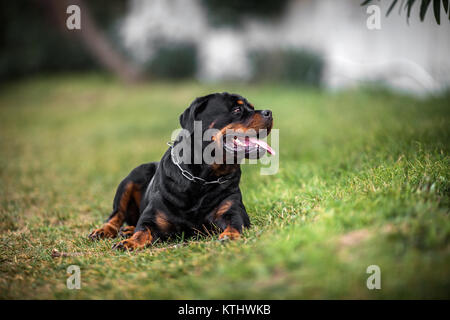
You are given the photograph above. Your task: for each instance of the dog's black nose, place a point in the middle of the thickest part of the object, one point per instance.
(266, 113)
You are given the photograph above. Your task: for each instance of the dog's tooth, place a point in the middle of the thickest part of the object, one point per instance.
(239, 142)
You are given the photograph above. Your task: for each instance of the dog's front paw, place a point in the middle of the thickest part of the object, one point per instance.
(139, 240)
(126, 232)
(229, 233)
(106, 231)
(128, 245)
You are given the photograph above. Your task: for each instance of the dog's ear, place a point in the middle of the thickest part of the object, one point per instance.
(188, 117)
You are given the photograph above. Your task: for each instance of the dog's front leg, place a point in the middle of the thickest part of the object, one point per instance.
(142, 236)
(230, 216)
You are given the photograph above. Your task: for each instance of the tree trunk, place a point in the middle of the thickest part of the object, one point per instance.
(93, 39)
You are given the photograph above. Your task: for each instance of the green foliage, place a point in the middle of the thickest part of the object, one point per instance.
(174, 61)
(294, 66)
(364, 179)
(234, 12)
(423, 8)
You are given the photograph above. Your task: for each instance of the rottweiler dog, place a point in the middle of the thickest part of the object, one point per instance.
(159, 200)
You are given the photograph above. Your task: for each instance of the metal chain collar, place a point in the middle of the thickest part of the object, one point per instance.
(187, 174)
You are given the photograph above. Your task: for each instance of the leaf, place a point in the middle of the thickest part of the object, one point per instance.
(408, 6)
(445, 3)
(424, 8)
(437, 10)
(391, 7)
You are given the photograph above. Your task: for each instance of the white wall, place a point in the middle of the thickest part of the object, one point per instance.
(412, 57)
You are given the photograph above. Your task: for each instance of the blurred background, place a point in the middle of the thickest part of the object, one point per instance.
(315, 43)
(363, 115)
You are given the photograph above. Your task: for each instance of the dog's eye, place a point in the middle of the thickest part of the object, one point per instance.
(236, 110)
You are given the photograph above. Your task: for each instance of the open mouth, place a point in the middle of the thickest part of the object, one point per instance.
(247, 144)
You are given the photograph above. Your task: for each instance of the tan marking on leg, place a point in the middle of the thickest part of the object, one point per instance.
(224, 207)
(162, 222)
(137, 196)
(125, 199)
(117, 221)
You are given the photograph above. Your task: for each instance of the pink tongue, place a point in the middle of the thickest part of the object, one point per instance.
(262, 144)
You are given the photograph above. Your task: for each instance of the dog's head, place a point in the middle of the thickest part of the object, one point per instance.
(239, 127)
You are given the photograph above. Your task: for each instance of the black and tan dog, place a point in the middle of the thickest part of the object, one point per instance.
(167, 198)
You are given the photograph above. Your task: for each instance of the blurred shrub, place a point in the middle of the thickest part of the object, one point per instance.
(296, 66)
(32, 43)
(175, 61)
(233, 12)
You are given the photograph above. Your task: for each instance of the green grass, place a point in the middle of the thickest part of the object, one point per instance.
(364, 179)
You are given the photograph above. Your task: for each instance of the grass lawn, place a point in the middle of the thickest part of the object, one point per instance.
(364, 179)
